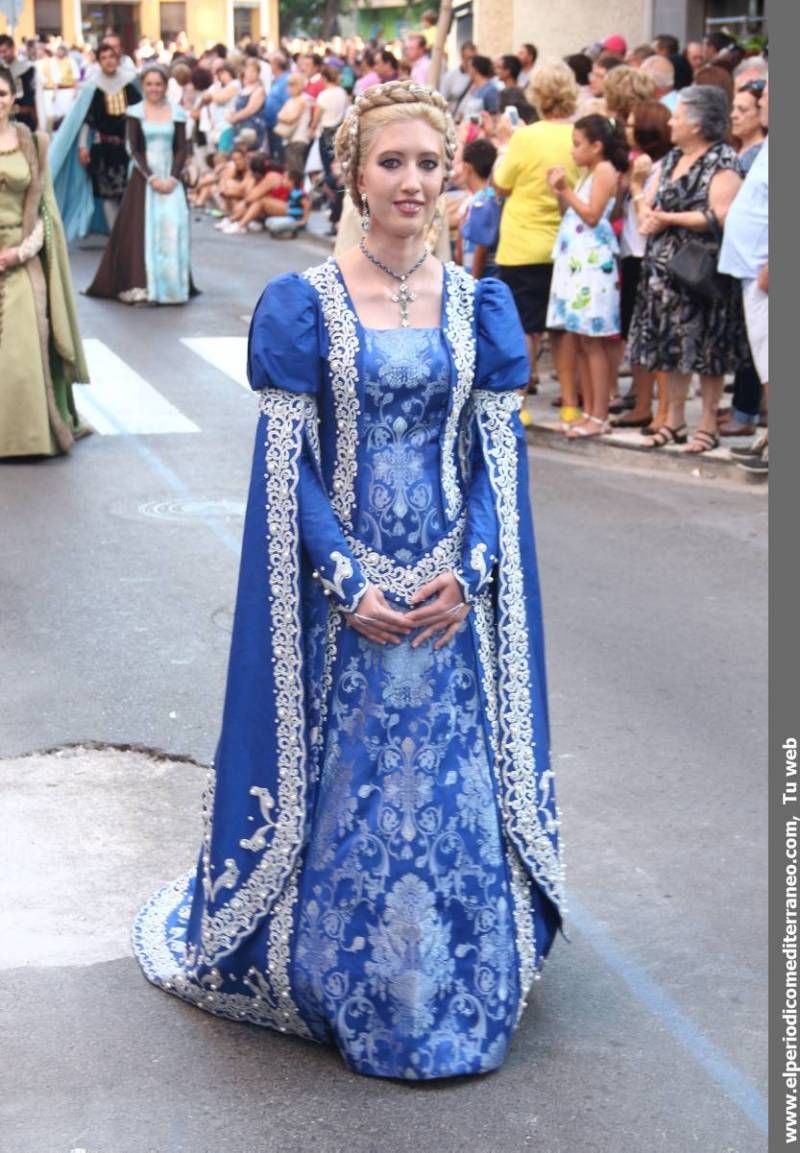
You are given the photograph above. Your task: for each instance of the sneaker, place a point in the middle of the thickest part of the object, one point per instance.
(751, 451)
(756, 465)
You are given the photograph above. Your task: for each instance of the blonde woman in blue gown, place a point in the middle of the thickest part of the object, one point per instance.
(380, 866)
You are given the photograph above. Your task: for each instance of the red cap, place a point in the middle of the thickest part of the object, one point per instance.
(616, 44)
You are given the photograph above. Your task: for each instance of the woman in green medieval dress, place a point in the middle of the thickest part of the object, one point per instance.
(41, 355)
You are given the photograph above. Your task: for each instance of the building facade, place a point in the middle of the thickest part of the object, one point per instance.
(559, 29)
(204, 21)
(495, 25)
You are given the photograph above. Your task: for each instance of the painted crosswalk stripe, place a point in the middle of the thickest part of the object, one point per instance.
(120, 402)
(227, 353)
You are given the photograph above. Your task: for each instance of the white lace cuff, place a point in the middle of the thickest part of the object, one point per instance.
(32, 244)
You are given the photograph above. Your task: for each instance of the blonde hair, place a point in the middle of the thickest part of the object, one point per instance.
(553, 90)
(386, 104)
(623, 87)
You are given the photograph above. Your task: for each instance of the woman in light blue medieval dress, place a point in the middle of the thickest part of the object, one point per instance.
(147, 256)
(380, 866)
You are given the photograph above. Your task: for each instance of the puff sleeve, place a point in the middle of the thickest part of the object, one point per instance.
(501, 357)
(501, 367)
(283, 349)
(284, 363)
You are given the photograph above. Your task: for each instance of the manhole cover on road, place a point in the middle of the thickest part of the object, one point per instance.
(223, 619)
(184, 510)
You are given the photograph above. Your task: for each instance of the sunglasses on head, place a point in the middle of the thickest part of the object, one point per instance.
(755, 86)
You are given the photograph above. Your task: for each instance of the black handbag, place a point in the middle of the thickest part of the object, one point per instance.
(694, 266)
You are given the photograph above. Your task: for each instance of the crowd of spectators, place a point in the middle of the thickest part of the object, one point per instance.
(616, 158)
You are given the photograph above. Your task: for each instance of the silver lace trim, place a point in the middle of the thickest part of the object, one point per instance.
(269, 1002)
(460, 334)
(524, 925)
(343, 350)
(403, 580)
(278, 841)
(530, 823)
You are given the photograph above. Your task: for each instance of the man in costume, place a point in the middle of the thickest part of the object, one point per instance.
(24, 74)
(89, 159)
(57, 77)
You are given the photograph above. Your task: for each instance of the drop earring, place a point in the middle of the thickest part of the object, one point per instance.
(365, 219)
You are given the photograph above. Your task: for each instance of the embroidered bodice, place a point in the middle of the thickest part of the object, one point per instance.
(406, 385)
(158, 137)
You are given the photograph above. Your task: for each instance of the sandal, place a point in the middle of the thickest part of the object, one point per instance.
(702, 441)
(601, 427)
(666, 435)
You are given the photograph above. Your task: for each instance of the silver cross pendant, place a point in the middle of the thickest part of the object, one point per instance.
(403, 297)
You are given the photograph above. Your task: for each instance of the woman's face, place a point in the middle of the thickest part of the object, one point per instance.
(295, 86)
(584, 152)
(597, 78)
(6, 100)
(252, 72)
(745, 115)
(403, 176)
(682, 131)
(154, 87)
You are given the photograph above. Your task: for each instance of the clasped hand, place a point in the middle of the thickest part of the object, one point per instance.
(557, 179)
(441, 611)
(653, 221)
(163, 185)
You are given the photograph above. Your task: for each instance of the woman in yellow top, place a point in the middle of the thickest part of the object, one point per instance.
(531, 215)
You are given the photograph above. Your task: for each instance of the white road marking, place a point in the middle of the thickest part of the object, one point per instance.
(119, 402)
(227, 353)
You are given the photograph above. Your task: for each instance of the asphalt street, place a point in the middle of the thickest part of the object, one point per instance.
(118, 571)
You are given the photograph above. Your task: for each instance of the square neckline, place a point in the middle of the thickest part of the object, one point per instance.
(398, 328)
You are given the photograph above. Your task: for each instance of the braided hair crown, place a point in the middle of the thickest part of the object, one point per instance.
(412, 101)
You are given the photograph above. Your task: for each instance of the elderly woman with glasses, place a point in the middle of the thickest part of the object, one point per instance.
(746, 122)
(678, 329)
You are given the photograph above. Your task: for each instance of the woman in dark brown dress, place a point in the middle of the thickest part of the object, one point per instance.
(147, 257)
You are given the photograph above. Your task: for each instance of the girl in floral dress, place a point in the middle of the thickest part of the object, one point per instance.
(584, 295)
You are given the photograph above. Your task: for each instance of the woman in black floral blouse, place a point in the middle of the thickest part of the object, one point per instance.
(676, 330)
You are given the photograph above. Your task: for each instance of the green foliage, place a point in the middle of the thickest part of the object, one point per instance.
(311, 17)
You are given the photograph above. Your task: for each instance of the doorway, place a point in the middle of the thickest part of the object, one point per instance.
(122, 17)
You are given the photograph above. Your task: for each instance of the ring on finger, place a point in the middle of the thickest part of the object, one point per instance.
(365, 619)
(455, 608)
